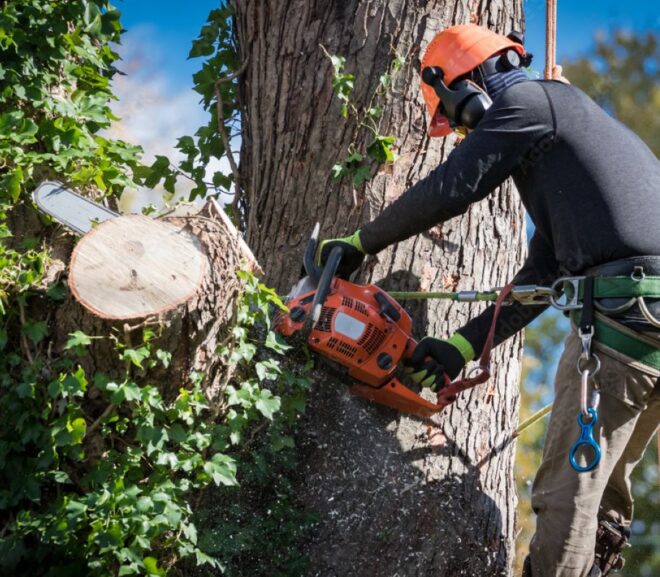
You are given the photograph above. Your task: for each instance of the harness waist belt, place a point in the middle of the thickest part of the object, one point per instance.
(624, 340)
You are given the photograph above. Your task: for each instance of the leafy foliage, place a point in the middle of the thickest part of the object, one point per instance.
(254, 530)
(215, 45)
(129, 512)
(381, 148)
(98, 472)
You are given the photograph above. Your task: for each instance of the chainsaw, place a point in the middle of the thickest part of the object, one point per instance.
(360, 328)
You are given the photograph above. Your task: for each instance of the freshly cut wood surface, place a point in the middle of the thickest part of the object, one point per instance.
(133, 267)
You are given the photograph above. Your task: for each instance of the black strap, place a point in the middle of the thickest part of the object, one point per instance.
(587, 320)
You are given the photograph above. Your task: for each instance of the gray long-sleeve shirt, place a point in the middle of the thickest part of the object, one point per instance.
(589, 184)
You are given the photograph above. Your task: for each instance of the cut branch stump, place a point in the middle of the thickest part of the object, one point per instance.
(176, 276)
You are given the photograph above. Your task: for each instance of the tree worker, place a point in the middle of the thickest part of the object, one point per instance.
(592, 190)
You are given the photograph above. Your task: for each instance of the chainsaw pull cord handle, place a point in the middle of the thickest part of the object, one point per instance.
(448, 394)
(324, 284)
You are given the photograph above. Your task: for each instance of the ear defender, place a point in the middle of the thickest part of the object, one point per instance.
(519, 38)
(464, 103)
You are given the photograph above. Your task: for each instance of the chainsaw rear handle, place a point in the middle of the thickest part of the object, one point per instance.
(329, 272)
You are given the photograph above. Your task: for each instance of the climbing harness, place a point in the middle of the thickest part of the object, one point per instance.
(581, 296)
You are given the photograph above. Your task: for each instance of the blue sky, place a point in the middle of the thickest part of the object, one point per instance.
(173, 25)
(156, 101)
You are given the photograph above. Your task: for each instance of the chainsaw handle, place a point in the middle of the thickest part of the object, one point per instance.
(408, 352)
(313, 271)
(323, 288)
(411, 345)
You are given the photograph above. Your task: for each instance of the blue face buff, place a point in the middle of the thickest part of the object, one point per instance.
(500, 81)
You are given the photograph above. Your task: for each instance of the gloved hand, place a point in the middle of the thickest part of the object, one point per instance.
(352, 257)
(436, 362)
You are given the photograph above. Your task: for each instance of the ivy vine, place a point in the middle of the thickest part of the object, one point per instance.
(133, 509)
(381, 147)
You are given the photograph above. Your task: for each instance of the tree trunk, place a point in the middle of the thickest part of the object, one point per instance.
(393, 498)
(130, 268)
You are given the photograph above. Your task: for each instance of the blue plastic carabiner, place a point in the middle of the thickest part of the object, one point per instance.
(586, 438)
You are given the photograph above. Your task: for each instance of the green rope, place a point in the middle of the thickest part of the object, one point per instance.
(533, 419)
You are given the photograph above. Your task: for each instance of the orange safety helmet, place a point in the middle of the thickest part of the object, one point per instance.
(459, 50)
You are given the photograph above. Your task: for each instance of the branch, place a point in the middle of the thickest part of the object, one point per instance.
(102, 416)
(24, 343)
(223, 131)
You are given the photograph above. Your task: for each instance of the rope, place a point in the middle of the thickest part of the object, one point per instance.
(552, 71)
(529, 421)
(448, 394)
(418, 295)
(550, 37)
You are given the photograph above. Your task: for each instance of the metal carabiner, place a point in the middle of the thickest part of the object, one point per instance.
(585, 337)
(586, 439)
(532, 294)
(584, 385)
(573, 300)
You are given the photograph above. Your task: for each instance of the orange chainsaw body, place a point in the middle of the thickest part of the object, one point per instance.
(365, 331)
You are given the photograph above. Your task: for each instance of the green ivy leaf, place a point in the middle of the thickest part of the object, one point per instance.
(127, 391)
(268, 369)
(74, 384)
(60, 477)
(338, 63)
(77, 339)
(267, 404)
(380, 149)
(338, 170)
(222, 470)
(57, 291)
(279, 442)
(204, 559)
(276, 343)
(361, 175)
(77, 428)
(135, 356)
(10, 184)
(35, 330)
(385, 80)
(164, 357)
(151, 567)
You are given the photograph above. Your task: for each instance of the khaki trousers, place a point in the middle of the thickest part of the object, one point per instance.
(567, 503)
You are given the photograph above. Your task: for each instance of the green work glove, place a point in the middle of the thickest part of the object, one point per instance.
(436, 362)
(352, 257)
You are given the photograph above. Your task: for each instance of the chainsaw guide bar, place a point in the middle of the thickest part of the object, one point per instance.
(77, 213)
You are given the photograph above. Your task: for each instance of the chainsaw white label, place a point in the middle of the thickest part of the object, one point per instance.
(348, 326)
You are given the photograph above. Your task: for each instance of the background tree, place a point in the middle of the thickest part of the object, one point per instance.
(622, 75)
(391, 499)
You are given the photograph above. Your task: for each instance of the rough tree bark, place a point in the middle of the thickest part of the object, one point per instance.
(393, 498)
